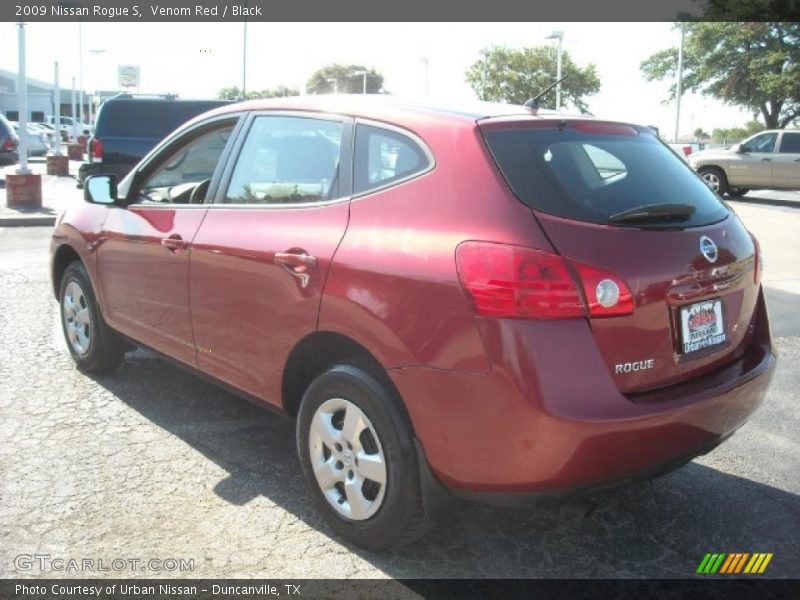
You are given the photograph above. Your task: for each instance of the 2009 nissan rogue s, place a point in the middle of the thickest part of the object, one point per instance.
(481, 302)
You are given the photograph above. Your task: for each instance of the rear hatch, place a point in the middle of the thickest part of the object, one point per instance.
(614, 197)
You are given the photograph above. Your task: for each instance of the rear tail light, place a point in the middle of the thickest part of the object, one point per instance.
(8, 144)
(516, 282)
(96, 148)
(607, 294)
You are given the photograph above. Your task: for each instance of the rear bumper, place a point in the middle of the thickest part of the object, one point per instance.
(558, 496)
(550, 423)
(8, 158)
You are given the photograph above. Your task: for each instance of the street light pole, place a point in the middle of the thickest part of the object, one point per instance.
(558, 35)
(80, 72)
(96, 52)
(679, 83)
(57, 107)
(425, 61)
(363, 74)
(22, 93)
(244, 60)
(485, 74)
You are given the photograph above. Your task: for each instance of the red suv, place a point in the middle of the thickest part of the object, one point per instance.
(485, 303)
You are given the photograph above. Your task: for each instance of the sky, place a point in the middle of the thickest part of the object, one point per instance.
(195, 60)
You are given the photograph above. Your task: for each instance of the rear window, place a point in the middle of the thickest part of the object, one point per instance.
(790, 144)
(147, 118)
(596, 171)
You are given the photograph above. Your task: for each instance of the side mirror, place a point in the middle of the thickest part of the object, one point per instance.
(739, 149)
(100, 189)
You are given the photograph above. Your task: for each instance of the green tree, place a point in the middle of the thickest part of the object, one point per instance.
(515, 75)
(753, 127)
(234, 93)
(751, 65)
(699, 134)
(346, 80)
(750, 10)
(229, 93)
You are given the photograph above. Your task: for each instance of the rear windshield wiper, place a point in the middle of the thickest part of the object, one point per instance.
(654, 212)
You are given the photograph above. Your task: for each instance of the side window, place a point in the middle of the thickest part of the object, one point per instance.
(287, 160)
(183, 176)
(761, 143)
(383, 156)
(790, 143)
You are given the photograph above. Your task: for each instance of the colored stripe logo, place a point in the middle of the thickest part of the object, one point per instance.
(734, 563)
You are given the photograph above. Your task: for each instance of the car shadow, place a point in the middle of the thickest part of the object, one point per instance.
(661, 528)
(765, 198)
(782, 308)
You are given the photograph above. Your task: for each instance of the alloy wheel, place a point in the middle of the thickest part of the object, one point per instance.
(77, 318)
(347, 459)
(712, 179)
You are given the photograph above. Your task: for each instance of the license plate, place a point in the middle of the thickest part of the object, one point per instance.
(702, 325)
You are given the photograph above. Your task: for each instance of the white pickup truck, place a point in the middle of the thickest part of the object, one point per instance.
(71, 128)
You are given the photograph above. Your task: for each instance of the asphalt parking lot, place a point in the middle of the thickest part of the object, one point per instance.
(151, 462)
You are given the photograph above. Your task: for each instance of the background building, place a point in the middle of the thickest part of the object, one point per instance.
(41, 101)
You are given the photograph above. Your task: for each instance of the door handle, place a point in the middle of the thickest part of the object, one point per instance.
(766, 159)
(174, 243)
(296, 262)
(797, 160)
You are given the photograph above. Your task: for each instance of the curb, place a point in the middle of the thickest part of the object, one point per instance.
(29, 221)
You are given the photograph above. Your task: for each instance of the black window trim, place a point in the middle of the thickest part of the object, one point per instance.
(172, 143)
(402, 131)
(344, 183)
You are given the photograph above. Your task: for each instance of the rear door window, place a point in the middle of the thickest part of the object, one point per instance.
(592, 172)
(384, 156)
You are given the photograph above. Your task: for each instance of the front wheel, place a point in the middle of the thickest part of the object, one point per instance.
(358, 458)
(715, 179)
(737, 192)
(94, 347)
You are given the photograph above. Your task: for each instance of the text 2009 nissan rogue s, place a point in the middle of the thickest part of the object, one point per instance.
(503, 305)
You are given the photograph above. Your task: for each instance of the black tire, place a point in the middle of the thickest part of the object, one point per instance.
(401, 516)
(715, 179)
(737, 192)
(104, 350)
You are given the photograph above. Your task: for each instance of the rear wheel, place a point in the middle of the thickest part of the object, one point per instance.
(715, 179)
(94, 347)
(357, 453)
